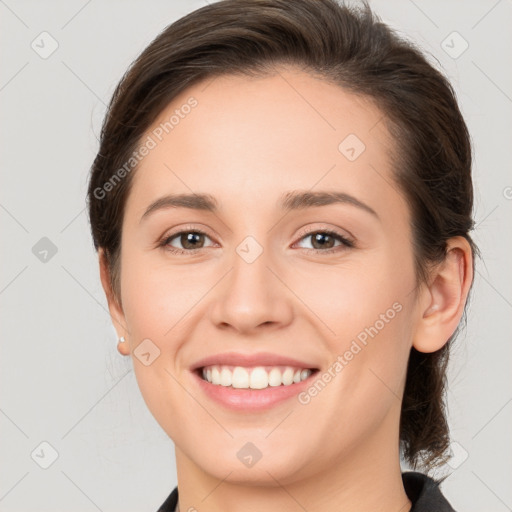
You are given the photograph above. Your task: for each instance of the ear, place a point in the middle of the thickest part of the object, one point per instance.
(116, 311)
(442, 301)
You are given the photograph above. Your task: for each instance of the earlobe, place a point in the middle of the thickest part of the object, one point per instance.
(123, 348)
(116, 312)
(443, 300)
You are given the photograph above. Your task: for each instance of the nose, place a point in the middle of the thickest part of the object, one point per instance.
(252, 296)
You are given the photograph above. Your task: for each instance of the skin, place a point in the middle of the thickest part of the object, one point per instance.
(247, 142)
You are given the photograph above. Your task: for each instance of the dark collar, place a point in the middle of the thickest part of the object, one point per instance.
(422, 490)
(424, 493)
(169, 505)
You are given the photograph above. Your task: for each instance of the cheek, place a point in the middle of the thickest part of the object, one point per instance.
(155, 304)
(368, 312)
(362, 386)
(156, 297)
(356, 294)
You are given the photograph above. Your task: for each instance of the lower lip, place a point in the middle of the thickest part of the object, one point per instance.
(251, 399)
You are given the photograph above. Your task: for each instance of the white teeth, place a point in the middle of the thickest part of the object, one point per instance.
(240, 378)
(274, 377)
(225, 377)
(258, 377)
(288, 376)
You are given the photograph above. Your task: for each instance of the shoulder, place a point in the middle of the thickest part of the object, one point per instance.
(424, 493)
(169, 505)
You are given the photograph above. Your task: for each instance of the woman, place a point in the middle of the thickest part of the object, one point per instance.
(281, 204)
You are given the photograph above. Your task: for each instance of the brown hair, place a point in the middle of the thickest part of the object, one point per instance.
(344, 45)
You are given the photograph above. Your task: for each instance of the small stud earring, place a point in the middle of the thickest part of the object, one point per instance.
(121, 339)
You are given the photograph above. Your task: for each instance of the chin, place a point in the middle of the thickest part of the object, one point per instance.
(260, 463)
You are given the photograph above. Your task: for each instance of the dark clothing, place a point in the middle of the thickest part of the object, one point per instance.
(424, 493)
(422, 490)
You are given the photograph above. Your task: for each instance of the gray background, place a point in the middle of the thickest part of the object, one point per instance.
(61, 379)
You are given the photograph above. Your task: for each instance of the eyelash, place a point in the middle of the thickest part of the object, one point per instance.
(345, 242)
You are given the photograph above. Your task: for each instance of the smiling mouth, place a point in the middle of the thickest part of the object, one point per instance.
(256, 377)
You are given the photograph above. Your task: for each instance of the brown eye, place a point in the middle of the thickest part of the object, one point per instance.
(188, 240)
(322, 241)
(325, 241)
(191, 240)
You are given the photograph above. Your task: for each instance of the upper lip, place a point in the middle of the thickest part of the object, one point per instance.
(258, 359)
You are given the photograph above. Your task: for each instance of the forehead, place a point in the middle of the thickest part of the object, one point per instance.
(247, 138)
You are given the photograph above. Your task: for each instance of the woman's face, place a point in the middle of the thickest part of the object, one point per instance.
(259, 276)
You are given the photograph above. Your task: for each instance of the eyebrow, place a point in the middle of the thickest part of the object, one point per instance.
(293, 200)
